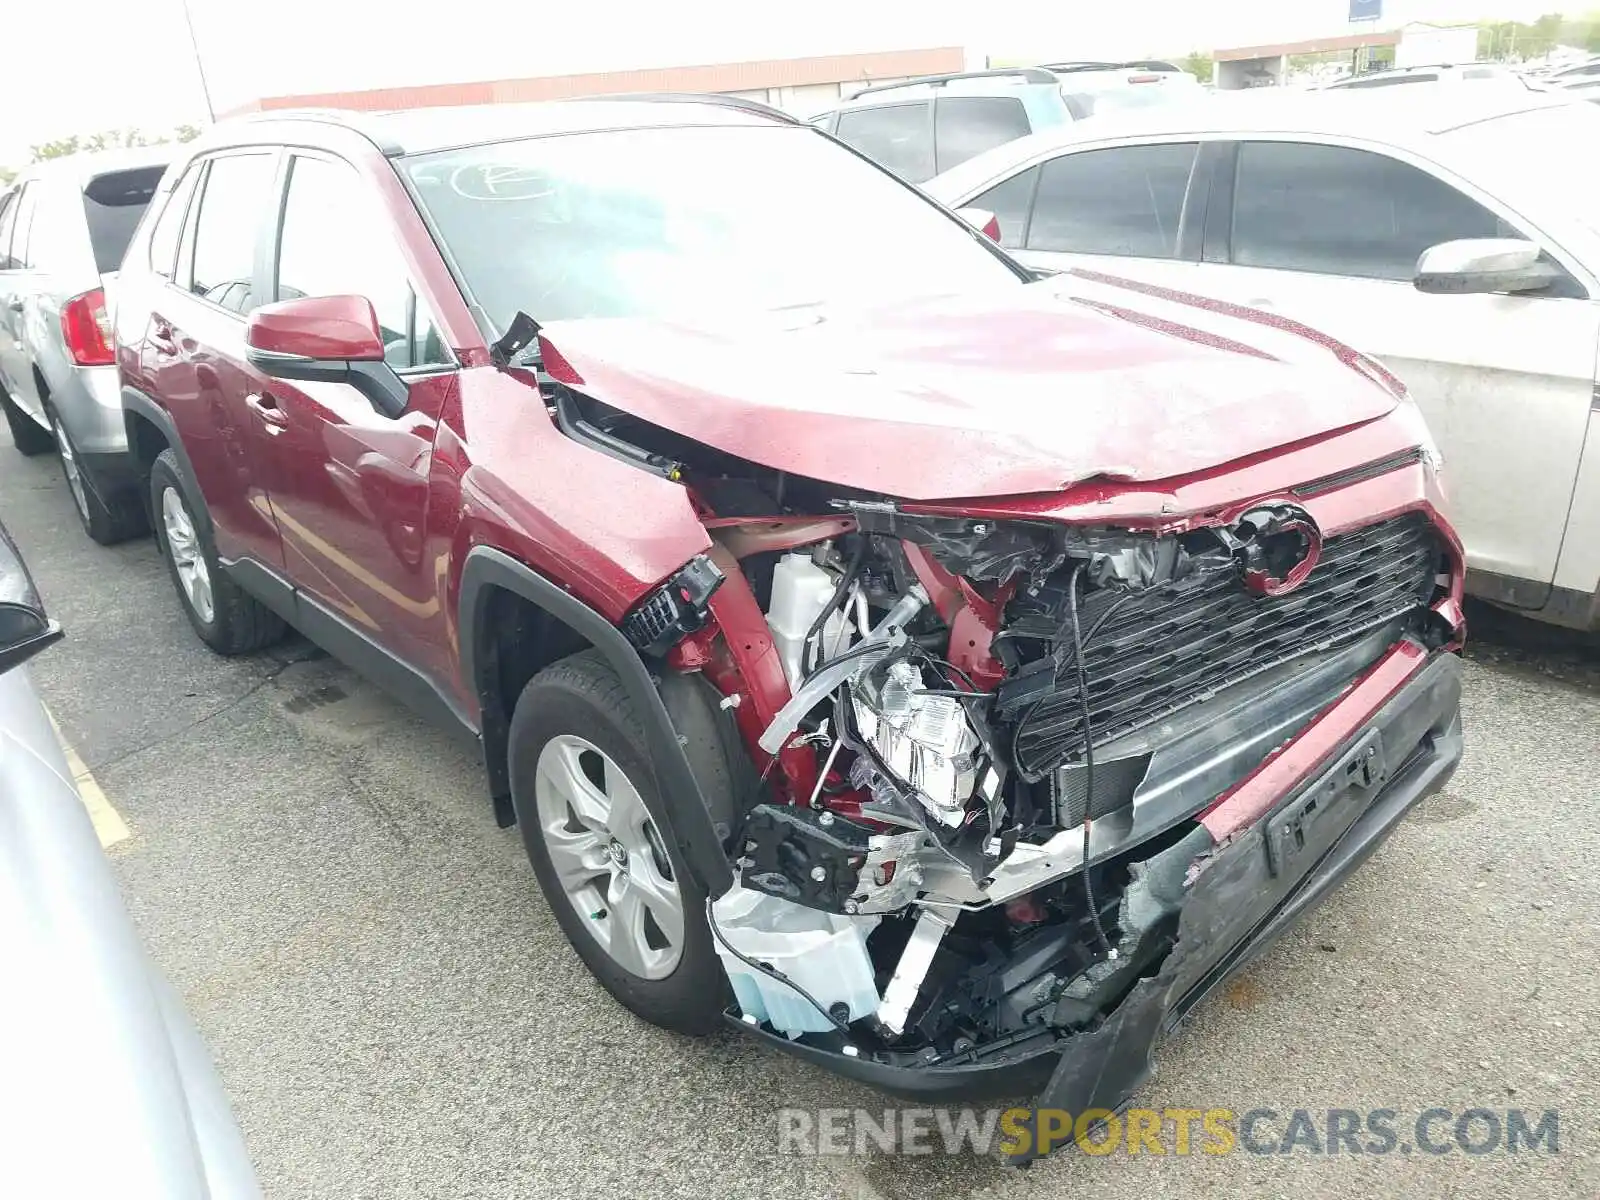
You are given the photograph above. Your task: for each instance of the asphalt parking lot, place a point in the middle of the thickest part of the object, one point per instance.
(395, 1012)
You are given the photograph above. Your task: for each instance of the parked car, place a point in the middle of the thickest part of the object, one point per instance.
(1438, 73)
(929, 124)
(1449, 235)
(63, 228)
(1584, 89)
(107, 1089)
(824, 592)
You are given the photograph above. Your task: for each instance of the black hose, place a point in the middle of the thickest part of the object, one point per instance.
(839, 592)
(1088, 756)
(772, 972)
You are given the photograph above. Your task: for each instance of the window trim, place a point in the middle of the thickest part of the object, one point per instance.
(285, 178)
(189, 233)
(1584, 280)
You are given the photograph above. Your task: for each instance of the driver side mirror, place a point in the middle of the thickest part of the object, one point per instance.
(24, 628)
(1483, 265)
(325, 339)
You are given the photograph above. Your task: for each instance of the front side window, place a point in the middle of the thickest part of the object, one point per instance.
(233, 202)
(1127, 200)
(1336, 210)
(966, 126)
(679, 222)
(896, 136)
(8, 219)
(21, 258)
(335, 242)
(1011, 203)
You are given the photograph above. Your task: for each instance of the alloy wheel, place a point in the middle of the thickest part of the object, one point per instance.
(608, 856)
(187, 557)
(70, 468)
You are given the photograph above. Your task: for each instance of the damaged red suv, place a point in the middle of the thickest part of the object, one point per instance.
(944, 674)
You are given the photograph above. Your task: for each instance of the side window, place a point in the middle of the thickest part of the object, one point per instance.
(232, 205)
(335, 242)
(896, 136)
(1335, 210)
(164, 237)
(8, 218)
(965, 126)
(1010, 202)
(21, 254)
(1127, 200)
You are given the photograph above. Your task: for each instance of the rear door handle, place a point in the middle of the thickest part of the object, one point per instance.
(265, 406)
(161, 335)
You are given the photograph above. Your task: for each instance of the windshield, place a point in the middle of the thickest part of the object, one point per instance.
(686, 220)
(1535, 159)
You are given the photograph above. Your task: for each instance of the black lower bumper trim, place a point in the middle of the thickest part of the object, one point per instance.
(1240, 902)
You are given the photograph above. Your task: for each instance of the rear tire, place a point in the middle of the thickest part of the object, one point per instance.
(227, 618)
(26, 434)
(106, 523)
(586, 799)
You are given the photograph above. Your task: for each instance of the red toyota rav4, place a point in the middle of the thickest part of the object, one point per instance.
(945, 674)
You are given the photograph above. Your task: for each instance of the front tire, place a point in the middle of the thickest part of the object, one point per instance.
(227, 618)
(590, 817)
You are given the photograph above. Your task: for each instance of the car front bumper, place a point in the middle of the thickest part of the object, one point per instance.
(1259, 858)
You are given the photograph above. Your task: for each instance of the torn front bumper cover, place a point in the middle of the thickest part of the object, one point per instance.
(1252, 868)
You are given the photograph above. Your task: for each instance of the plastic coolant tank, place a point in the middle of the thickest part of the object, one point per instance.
(800, 590)
(824, 953)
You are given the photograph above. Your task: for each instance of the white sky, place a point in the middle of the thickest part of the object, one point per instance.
(88, 65)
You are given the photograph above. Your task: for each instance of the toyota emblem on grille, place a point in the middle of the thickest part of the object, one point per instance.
(1277, 546)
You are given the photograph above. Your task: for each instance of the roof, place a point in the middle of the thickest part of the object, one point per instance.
(86, 165)
(1390, 115)
(423, 130)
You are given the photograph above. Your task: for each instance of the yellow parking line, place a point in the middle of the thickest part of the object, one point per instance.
(108, 823)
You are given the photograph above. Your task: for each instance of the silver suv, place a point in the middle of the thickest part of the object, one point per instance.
(63, 227)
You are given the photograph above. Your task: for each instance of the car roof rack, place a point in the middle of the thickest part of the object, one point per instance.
(1141, 64)
(742, 103)
(1026, 74)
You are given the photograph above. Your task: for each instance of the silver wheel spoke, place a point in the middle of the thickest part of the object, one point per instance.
(187, 557)
(599, 840)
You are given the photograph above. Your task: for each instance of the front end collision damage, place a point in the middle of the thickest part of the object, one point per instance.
(984, 779)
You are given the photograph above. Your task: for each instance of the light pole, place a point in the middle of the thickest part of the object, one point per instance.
(199, 65)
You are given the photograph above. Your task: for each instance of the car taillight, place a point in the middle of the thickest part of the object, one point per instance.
(1144, 79)
(87, 329)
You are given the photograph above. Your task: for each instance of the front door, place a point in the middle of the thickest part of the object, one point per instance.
(17, 285)
(349, 485)
(1330, 235)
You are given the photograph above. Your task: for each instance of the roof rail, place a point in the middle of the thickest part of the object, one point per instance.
(717, 98)
(1141, 64)
(1026, 74)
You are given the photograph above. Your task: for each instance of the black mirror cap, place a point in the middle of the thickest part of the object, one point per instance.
(377, 381)
(24, 628)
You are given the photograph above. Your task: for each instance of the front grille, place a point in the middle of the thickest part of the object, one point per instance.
(1185, 641)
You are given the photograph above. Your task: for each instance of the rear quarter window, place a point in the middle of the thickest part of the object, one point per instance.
(113, 204)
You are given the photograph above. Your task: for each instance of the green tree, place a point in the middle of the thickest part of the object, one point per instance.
(1198, 64)
(6, 176)
(185, 133)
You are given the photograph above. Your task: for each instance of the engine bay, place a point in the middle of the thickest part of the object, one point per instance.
(979, 747)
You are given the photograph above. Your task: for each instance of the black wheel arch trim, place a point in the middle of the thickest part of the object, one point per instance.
(137, 403)
(692, 826)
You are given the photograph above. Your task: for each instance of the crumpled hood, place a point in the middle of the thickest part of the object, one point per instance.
(1015, 390)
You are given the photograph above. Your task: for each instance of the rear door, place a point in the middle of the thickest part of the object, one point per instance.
(349, 485)
(1330, 234)
(18, 288)
(194, 348)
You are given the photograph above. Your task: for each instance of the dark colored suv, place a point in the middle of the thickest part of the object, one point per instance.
(945, 675)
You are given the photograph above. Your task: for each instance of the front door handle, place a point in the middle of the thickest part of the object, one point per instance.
(265, 406)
